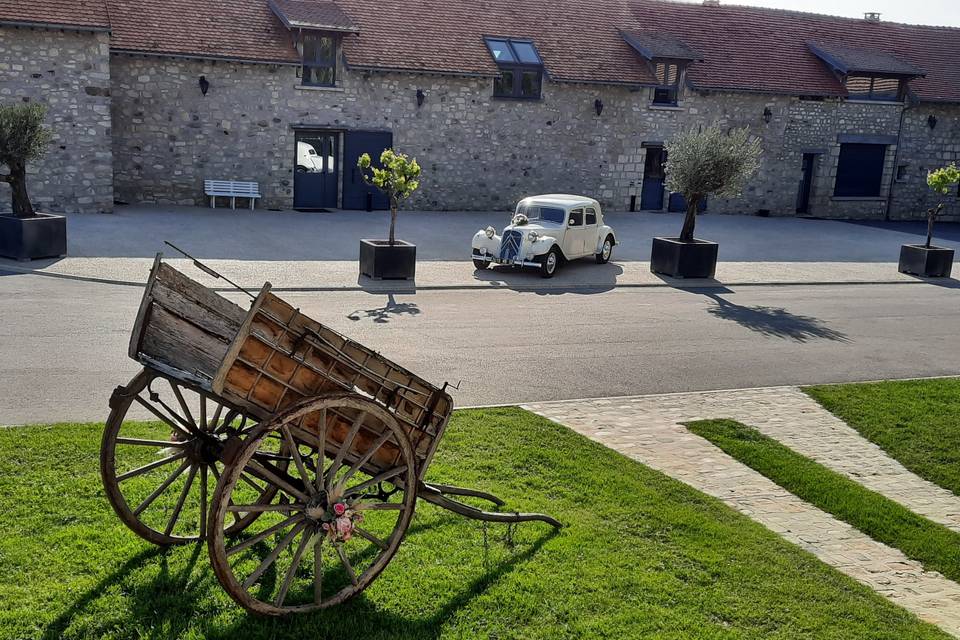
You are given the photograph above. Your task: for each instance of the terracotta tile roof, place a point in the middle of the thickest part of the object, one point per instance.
(91, 14)
(241, 29)
(743, 48)
(311, 14)
(658, 45)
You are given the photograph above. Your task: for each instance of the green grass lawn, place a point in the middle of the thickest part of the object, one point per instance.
(937, 547)
(915, 421)
(642, 556)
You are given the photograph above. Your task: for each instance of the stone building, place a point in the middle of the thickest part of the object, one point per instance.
(497, 99)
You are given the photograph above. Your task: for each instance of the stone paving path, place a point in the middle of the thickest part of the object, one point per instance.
(649, 430)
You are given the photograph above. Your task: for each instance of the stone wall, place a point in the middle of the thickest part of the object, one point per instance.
(69, 71)
(477, 152)
(925, 148)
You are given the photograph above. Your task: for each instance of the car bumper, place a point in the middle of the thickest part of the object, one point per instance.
(490, 258)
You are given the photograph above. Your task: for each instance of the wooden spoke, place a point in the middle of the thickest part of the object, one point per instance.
(364, 460)
(229, 418)
(380, 477)
(261, 508)
(292, 569)
(183, 496)
(273, 555)
(295, 450)
(163, 444)
(163, 487)
(214, 422)
(318, 568)
(271, 477)
(203, 413)
(321, 448)
(173, 425)
(148, 467)
(203, 500)
(263, 535)
(344, 448)
(369, 536)
(183, 403)
(346, 564)
(378, 506)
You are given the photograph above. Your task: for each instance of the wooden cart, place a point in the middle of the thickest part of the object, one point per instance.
(317, 446)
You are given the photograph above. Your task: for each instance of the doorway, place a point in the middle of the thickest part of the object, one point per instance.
(651, 196)
(357, 194)
(315, 170)
(806, 182)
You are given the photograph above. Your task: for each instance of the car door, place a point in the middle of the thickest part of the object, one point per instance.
(573, 235)
(590, 232)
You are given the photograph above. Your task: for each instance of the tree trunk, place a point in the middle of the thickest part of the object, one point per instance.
(17, 179)
(931, 218)
(690, 220)
(393, 220)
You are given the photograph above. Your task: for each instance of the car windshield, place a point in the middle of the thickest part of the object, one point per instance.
(544, 214)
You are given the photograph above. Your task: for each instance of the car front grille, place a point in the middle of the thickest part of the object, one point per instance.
(510, 246)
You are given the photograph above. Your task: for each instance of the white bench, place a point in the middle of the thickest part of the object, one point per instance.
(231, 189)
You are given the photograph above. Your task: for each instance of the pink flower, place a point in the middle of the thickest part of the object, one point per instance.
(344, 528)
(339, 508)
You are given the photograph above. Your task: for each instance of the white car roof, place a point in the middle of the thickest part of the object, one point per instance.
(561, 200)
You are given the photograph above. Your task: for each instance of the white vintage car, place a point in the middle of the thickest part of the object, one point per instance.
(545, 232)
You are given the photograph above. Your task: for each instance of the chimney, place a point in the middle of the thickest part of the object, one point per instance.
(871, 16)
(711, 3)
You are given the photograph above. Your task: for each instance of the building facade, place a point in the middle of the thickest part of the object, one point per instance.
(144, 116)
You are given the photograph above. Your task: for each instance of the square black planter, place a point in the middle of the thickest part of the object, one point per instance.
(384, 261)
(697, 259)
(932, 262)
(42, 236)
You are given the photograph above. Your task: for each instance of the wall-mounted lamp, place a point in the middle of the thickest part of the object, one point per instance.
(421, 96)
(767, 115)
(598, 106)
(204, 85)
(932, 122)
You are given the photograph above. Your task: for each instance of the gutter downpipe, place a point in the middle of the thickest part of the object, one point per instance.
(907, 104)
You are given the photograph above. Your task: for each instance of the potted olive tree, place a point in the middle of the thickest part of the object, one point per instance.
(927, 259)
(398, 177)
(26, 234)
(702, 163)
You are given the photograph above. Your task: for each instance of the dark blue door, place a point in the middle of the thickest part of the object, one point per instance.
(315, 171)
(651, 197)
(356, 193)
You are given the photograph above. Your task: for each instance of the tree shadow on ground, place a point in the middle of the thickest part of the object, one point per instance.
(383, 315)
(776, 322)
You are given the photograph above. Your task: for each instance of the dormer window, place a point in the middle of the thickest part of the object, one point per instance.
(874, 88)
(668, 75)
(520, 66)
(319, 52)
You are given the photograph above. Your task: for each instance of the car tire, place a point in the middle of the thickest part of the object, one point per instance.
(549, 263)
(606, 251)
(480, 265)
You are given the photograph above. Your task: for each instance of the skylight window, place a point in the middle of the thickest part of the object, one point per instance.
(521, 69)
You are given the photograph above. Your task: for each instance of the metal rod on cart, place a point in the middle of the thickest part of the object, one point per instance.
(209, 271)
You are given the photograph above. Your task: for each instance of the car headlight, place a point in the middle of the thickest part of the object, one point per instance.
(533, 236)
(490, 231)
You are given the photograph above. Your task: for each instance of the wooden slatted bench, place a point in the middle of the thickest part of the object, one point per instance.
(232, 189)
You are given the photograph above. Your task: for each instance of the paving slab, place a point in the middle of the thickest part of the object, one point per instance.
(650, 429)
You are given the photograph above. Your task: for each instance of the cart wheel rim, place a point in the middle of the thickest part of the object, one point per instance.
(327, 535)
(160, 479)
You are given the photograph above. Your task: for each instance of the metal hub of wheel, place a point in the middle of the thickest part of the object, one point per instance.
(606, 250)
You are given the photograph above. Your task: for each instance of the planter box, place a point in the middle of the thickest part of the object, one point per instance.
(382, 261)
(935, 262)
(43, 236)
(697, 259)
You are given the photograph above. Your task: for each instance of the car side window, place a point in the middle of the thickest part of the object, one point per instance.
(591, 216)
(576, 218)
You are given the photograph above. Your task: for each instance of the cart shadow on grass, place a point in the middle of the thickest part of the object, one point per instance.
(182, 588)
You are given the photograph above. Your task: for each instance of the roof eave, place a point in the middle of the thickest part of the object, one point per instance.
(55, 25)
(204, 56)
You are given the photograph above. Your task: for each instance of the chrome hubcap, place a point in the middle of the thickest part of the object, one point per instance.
(606, 250)
(551, 262)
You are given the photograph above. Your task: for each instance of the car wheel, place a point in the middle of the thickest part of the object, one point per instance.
(605, 251)
(480, 264)
(549, 263)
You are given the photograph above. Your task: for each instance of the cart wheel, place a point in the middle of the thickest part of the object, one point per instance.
(333, 527)
(159, 478)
